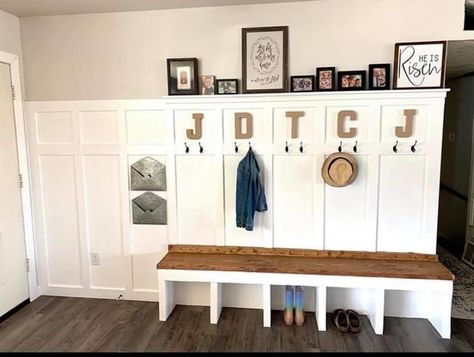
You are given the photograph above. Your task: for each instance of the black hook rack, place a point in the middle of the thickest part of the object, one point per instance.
(301, 147)
(201, 149)
(286, 147)
(187, 148)
(340, 147)
(250, 145)
(236, 147)
(395, 147)
(413, 149)
(355, 147)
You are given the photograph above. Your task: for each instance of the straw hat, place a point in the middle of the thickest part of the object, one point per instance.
(339, 169)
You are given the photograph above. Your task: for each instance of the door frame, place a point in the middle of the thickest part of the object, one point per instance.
(23, 163)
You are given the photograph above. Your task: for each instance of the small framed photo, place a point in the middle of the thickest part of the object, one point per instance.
(207, 85)
(182, 76)
(419, 65)
(227, 86)
(302, 83)
(351, 80)
(325, 78)
(379, 76)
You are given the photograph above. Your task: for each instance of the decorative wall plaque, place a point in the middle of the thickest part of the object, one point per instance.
(149, 208)
(148, 174)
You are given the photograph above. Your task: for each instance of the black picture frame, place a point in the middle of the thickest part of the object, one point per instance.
(411, 59)
(341, 75)
(189, 75)
(223, 82)
(375, 83)
(283, 56)
(320, 70)
(295, 79)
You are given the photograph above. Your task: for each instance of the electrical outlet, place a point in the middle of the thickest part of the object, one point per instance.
(452, 136)
(95, 258)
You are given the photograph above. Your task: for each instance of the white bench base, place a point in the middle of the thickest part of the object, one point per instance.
(439, 311)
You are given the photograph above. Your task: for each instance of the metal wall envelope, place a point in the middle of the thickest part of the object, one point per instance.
(149, 208)
(148, 174)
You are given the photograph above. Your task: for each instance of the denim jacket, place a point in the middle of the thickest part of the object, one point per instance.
(250, 195)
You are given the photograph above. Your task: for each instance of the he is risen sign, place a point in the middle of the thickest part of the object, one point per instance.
(420, 65)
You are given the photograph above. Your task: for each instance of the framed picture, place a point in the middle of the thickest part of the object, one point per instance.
(207, 84)
(265, 59)
(379, 76)
(227, 86)
(302, 83)
(182, 76)
(351, 80)
(325, 78)
(419, 65)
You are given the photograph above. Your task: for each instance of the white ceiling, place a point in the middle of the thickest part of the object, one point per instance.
(24, 8)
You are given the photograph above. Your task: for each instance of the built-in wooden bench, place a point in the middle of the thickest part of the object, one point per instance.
(322, 269)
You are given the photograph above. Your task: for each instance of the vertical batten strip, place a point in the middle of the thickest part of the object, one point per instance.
(215, 302)
(321, 307)
(81, 202)
(172, 151)
(267, 305)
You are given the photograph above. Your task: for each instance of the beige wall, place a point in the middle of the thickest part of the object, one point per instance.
(123, 55)
(10, 33)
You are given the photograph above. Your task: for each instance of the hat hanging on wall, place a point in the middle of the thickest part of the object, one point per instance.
(339, 169)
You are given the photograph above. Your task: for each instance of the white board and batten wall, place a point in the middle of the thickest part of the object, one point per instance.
(80, 154)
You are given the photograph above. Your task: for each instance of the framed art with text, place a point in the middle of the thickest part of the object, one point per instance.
(182, 76)
(419, 65)
(265, 59)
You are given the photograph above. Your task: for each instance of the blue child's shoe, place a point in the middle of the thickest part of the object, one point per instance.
(299, 313)
(288, 314)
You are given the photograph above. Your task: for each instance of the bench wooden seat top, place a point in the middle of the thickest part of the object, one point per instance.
(305, 261)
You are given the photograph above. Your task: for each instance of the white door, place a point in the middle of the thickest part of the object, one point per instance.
(13, 275)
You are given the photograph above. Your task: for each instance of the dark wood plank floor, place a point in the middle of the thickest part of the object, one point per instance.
(75, 324)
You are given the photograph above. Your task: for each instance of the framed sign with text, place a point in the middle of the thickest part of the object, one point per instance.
(419, 65)
(265, 59)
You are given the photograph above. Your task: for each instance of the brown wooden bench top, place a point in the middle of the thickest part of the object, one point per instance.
(301, 261)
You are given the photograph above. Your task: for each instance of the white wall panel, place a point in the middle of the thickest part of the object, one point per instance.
(401, 206)
(144, 271)
(237, 236)
(54, 128)
(348, 222)
(294, 184)
(146, 127)
(99, 127)
(102, 197)
(196, 199)
(83, 195)
(58, 185)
